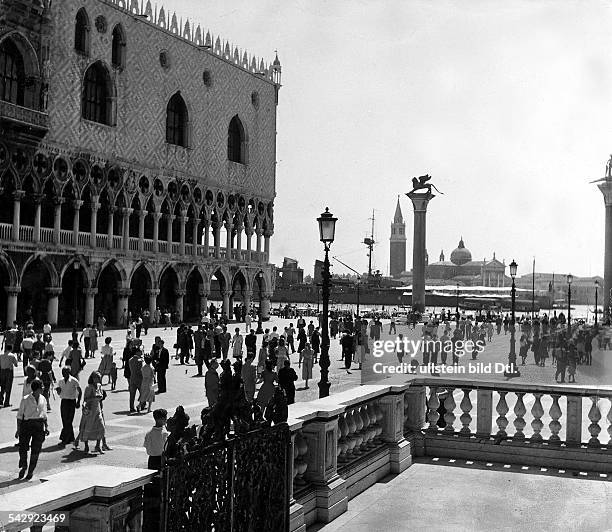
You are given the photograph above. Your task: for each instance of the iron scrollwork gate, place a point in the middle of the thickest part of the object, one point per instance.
(240, 484)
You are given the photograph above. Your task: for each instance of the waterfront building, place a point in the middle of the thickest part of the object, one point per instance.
(137, 163)
(289, 274)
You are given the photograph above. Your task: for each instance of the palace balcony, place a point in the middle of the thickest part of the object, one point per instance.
(24, 120)
(45, 238)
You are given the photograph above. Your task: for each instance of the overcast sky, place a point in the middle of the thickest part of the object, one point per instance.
(507, 105)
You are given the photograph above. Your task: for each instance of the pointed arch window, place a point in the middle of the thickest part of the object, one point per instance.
(97, 95)
(12, 73)
(118, 51)
(236, 145)
(81, 32)
(177, 121)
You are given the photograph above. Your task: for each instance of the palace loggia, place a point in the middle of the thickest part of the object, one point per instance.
(137, 163)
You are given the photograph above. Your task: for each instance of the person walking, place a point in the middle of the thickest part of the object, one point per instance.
(282, 354)
(237, 342)
(32, 428)
(101, 324)
(347, 350)
(93, 340)
(249, 378)
(155, 439)
(198, 349)
(47, 377)
(147, 390)
(8, 361)
(26, 347)
(86, 337)
(135, 378)
(69, 392)
(315, 342)
(162, 365)
(266, 391)
(211, 383)
(106, 363)
(286, 380)
(75, 361)
(306, 358)
(225, 339)
(250, 341)
(93, 423)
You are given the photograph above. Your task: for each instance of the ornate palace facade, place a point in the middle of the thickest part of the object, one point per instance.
(137, 163)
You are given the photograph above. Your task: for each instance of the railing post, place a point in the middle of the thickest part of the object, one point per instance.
(297, 467)
(415, 407)
(393, 432)
(322, 469)
(484, 413)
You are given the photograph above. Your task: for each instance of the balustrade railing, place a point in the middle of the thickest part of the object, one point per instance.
(162, 246)
(84, 239)
(46, 235)
(117, 242)
(176, 248)
(133, 244)
(148, 245)
(188, 249)
(359, 431)
(26, 233)
(102, 241)
(6, 231)
(66, 237)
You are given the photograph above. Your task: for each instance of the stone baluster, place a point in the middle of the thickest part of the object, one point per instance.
(415, 407)
(372, 427)
(351, 441)
(366, 430)
(537, 411)
(357, 434)
(573, 429)
(300, 448)
(449, 416)
(555, 425)
(484, 413)
(379, 422)
(432, 410)
(502, 410)
(466, 407)
(609, 418)
(519, 420)
(342, 433)
(594, 417)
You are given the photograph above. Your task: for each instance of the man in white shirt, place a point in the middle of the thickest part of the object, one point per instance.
(8, 361)
(70, 393)
(31, 428)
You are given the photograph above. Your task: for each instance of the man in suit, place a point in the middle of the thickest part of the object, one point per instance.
(162, 365)
(135, 365)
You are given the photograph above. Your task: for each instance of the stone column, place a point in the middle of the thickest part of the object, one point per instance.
(322, 471)
(57, 220)
(157, 217)
(180, 297)
(203, 301)
(169, 220)
(419, 202)
(196, 236)
(90, 294)
(153, 293)
(142, 214)
(265, 305)
(53, 304)
(76, 221)
(111, 228)
(17, 195)
(249, 234)
(126, 229)
(94, 223)
(183, 224)
(36, 235)
(206, 237)
(217, 230)
(122, 303)
(11, 304)
(606, 190)
(239, 229)
(228, 241)
(393, 432)
(259, 232)
(267, 236)
(226, 302)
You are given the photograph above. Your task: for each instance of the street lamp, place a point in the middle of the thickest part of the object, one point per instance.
(327, 232)
(512, 370)
(596, 309)
(457, 305)
(259, 327)
(570, 278)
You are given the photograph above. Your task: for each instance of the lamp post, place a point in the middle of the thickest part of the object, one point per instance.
(457, 305)
(570, 278)
(327, 231)
(259, 327)
(596, 309)
(512, 370)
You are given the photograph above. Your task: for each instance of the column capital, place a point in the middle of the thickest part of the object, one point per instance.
(196, 221)
(420, 201)
(606, 190)
(267, 295)
(268, 233)
(37, 198)
(248, 229)
(13, 290)
(59, 201)
(91, 292)
(181, 292)
(259, 231)
(54, 291)
(94, 206)
(204, 293)
(142, 213)
(18, 195)
(227, 293)
(77, 204)
(184, 213)
(183, 218)
(170, 217)
(127, 211)
(157, 215)
(228, 225)
(124, 292)
(153, 291)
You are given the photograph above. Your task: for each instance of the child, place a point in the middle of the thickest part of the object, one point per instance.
(113, 376)
(155, 439)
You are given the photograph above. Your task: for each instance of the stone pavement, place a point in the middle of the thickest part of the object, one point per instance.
(125, 432)
(458, 495)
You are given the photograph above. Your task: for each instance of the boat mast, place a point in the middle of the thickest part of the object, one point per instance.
(369, 242)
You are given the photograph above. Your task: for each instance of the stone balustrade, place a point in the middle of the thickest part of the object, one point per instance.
(66, 239)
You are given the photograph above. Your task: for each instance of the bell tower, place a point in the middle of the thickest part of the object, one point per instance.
(397, 245)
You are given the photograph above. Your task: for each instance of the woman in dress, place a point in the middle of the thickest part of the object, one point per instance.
(76, 360)
(282, 354)
(93, 340)
(92, 423)
(266, 391)
(306, 357)
(248, 374)
(147, 392)
(106, 364)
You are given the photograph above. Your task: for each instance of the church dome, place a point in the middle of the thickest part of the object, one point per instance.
(461, 255)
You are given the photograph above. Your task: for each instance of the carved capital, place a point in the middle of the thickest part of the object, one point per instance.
(142, 214)
(181, 292)
(127, 211)
(227, 293)
(54, 291)
(18, 195)
(124, 292)
(153, 291)
(606, 190)
(12, 290)
(77, 204)
(420, 201)
(90, 292)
